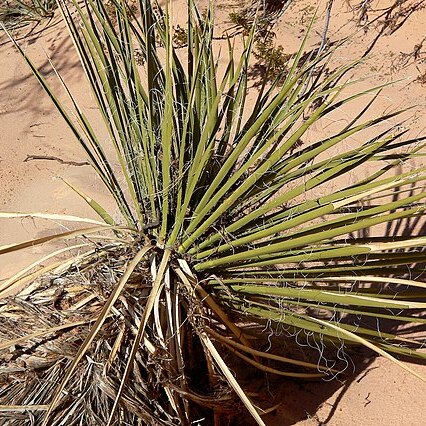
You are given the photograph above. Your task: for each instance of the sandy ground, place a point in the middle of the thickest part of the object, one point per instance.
(379, 393)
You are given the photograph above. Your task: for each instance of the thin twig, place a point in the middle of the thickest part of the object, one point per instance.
(59, 160)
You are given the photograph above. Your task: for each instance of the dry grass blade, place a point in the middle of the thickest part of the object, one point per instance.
(9, 343)
(9, 248)
(231, 379)
(22, 408)
(9, 287)
(143, 322)
(12, 280)
(272, 370)
(50, 216)
(205, 297)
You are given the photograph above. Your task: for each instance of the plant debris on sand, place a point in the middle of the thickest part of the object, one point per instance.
(50, 320)
(236, 230)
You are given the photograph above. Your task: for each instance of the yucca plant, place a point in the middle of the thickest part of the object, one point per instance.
(17, 13)
(229, 236)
